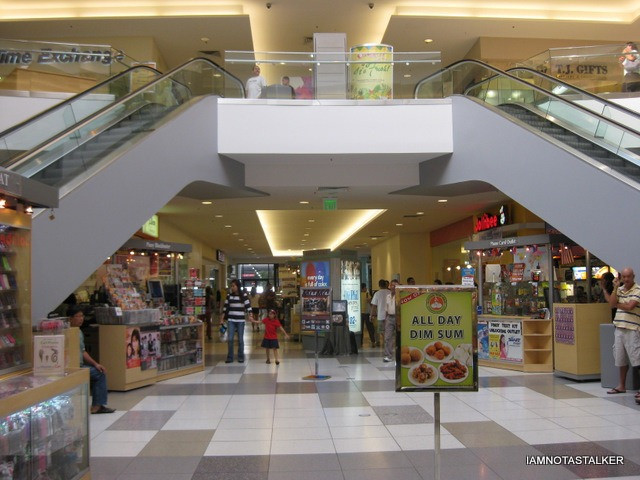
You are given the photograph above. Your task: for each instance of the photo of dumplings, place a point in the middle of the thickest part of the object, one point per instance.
(410, 356)
(438, 351)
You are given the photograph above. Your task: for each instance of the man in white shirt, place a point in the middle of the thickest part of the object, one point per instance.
(255, 84)
(390, 323)
(378, 307)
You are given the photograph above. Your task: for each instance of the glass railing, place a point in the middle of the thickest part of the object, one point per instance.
(369, 72)
(594, 68)
(38, 129)
(495, 87)
(595, 103)
(53, 163)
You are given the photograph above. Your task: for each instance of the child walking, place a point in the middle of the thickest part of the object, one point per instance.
(270, 340)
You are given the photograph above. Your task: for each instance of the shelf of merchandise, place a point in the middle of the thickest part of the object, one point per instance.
(44, 422)
(15, 285)
(537, 345)
(193, 297)
(173, 362)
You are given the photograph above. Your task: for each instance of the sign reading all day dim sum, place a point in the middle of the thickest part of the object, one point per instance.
(437, 343)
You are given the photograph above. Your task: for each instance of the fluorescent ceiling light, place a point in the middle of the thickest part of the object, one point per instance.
(283, 228)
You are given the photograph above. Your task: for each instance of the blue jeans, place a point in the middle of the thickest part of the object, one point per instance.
(233, 328)
(98, 381)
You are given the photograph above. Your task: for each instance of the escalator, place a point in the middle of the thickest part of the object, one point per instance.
(566, 163)
(118, 166)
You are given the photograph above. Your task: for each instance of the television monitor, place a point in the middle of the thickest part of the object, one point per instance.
(155, 289)
(579, 273)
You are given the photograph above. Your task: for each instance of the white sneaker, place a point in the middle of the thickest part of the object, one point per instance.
(386, 359)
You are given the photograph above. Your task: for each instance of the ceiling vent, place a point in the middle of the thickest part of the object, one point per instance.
(332, 190)
(213, 53)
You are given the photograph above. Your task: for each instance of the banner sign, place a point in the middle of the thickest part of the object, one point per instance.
(316, 309)
(437, 346)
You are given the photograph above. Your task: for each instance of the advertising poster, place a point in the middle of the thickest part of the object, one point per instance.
(371, 81)
(483, 340)
(134, 347)
(288, 282)
(315, 274)
(505, 341)
(350, 291)
(437, 348)
(48, 355)
(316, 309)
(468, 276)
(564, 325)
(149, 349)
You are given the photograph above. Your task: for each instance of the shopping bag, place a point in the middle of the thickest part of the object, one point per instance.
(223, 332)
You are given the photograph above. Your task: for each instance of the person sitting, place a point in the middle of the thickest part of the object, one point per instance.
(97, 373)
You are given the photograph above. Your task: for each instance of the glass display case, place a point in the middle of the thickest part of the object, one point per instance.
(44, 431)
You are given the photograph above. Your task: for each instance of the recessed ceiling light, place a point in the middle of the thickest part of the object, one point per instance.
(419, 213)
(207, 202)
(398, 224)
(304, 202)
(306, 234)
(428, 40)
(407, 75)
(218, 216)
(385, 232)
(311, 221)
(235, 233)
(204, 39)
(227, 226)
(443, 200)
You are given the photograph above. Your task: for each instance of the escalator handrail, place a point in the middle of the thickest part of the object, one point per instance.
(502, 73)
(24, 156)
(593, 96)
(74, 98)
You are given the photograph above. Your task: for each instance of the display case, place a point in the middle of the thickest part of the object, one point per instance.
(44, 431)
(515, 343)
(180, 349)
(15, 285)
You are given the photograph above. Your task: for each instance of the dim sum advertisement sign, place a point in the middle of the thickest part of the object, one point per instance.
(437, 348)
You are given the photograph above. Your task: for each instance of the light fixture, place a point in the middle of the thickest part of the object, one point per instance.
(235, 233)
(448, 269)
(3, 203)
(206, 202)
(419, 213)
(28, 210)
(311, 221)
(428, 40)
(132, 252)
(442, 200)
(217, 216)
(407, 75)
(227, 226)
(398, 224)
(304, 202)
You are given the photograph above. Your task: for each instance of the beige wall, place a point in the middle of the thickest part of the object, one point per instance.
(448, 254)
(141, 49)
(408, 255)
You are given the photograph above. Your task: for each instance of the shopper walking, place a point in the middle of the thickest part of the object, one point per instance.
(365, 314)
(390, 324)
(254, 298)
(378, 310)
(626, 346)
(270, 340)
(236, 305)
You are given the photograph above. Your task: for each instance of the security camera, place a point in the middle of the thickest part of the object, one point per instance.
(371, 5)
(268, 5)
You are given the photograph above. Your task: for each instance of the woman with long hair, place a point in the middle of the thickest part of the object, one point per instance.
(236, 305)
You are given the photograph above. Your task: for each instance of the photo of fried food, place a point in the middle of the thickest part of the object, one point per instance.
(453, 372)
(409, 356)
(423, 374)
(438, 351)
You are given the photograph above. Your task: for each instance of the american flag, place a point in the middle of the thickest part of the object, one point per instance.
(566, 256)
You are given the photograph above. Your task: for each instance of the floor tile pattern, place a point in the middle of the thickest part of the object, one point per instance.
(258, 421)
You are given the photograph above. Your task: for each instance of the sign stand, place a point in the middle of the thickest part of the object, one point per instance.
(316, 376)
(436, 436)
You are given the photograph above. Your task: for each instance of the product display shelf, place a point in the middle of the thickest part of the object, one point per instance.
(180, 350)
(537, 347)
(113, 355)
(15, 321)
(44, 426)
(193, 297)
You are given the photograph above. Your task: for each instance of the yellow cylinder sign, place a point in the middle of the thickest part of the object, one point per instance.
(371, 81)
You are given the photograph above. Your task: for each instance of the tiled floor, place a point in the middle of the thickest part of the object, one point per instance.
(255, 421)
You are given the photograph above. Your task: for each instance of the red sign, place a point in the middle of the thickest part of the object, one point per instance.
(485, 222)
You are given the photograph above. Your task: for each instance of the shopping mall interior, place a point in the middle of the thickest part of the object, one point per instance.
(493, 146)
